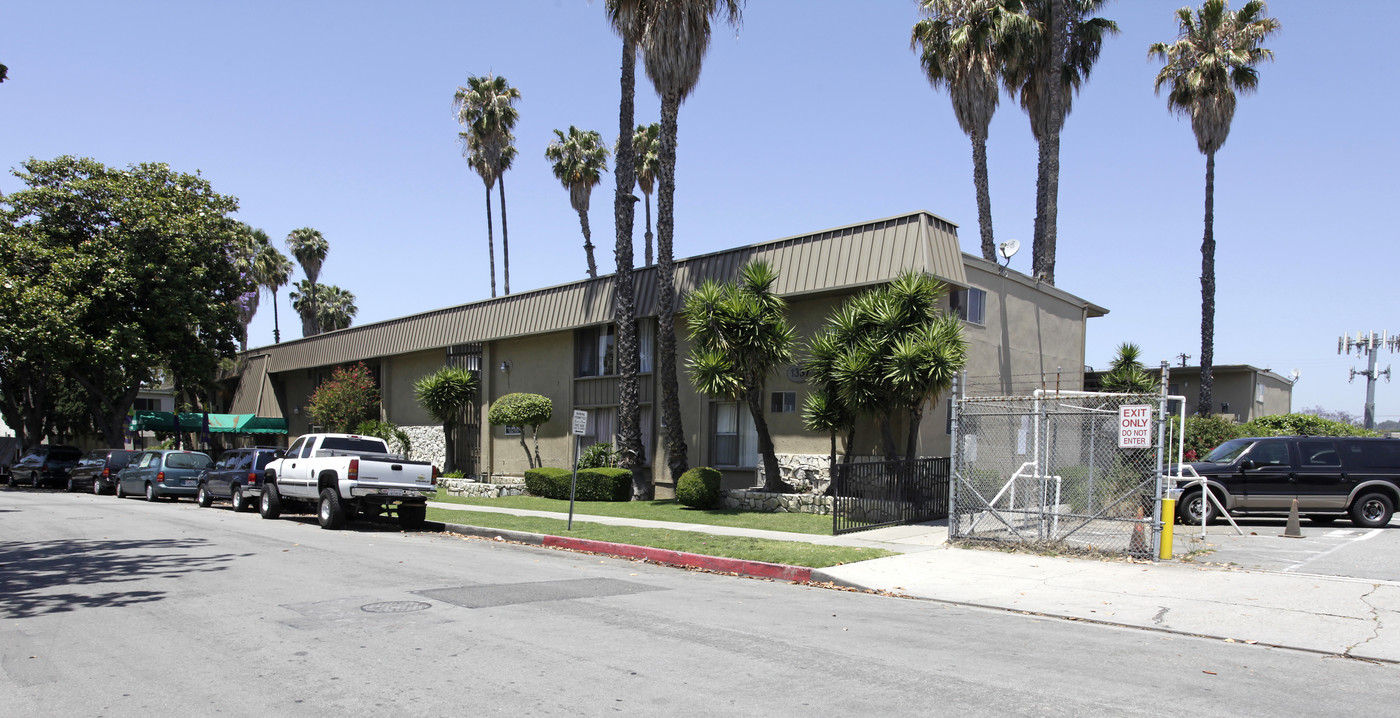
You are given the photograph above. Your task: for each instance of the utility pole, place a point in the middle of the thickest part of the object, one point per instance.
(1369, 344)
(1183, 357)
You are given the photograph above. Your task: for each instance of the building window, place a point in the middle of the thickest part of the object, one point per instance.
(601, 427)
(646, 339)
(594, 351)
(734, 438)
(146, 404)
(970, 305)
(1259, 393)
(784, 402)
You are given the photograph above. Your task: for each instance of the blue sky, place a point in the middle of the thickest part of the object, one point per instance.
(815, 114)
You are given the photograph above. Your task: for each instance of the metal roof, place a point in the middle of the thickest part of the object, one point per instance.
(832, 260)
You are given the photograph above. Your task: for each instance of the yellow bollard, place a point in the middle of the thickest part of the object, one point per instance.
(1168, 522)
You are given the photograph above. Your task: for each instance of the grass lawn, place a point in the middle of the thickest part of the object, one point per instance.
(793, 553)
(661, 510)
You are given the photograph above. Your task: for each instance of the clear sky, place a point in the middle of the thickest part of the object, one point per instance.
(815, 114)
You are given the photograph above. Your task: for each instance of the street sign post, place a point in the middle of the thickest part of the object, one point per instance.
(580, 426)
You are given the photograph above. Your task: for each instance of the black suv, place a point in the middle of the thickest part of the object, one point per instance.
(44, 464)
(1329, 476)
(97, 470)
(237, 477)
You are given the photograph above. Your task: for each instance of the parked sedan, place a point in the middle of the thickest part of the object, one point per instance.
(44, 464)
(158, 474)
(238, 477)
(97, 470)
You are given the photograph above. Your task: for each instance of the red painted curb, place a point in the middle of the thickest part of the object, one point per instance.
(758, 569)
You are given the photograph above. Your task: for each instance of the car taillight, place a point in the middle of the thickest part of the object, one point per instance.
(160, 476)
(435, 476)
(106, 473)
(252, 478)
(354, 469)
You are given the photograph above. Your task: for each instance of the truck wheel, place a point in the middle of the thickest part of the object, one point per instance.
(270, 505)
(151, 493)
(96, 487)
(71, 486)
(329, 512)
(412, 516)
(240, 504)
(203, 498)
(1193, 505)
(1372, 510)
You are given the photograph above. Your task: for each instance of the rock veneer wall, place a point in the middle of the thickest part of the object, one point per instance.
(427, 444)
(764, 502)
(478, 490)
(808, 473)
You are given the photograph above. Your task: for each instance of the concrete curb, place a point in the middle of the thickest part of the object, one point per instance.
(742, 567)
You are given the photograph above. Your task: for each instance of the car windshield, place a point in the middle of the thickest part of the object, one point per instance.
(119, 459)
(61, 453)
(187, 461)
(1229, 451)
(355, 444)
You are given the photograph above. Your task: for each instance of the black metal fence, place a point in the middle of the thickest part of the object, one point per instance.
(889, 493)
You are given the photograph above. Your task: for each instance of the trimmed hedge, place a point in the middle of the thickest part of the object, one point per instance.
(699, 488)
(593, 484)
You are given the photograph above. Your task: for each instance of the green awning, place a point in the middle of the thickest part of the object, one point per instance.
(218, 423)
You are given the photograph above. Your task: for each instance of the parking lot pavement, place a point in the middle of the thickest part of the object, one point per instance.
(1340, 550)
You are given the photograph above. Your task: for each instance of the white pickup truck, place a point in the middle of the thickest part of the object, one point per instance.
(341, 476)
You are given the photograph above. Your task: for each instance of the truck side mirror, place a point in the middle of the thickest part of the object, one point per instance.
(1247, 465)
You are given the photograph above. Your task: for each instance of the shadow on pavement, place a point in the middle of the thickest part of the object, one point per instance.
(31, 571)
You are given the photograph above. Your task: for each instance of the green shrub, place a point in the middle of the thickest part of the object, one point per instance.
(455, 475)
(598, 456)
(699, 488)
(1301, 425)
(602, 484)
(1204, 433)
(396, 438)
(346, 399)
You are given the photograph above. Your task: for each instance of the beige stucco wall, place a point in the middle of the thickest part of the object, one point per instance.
(397, 374)
(298, 385)
(542, 365)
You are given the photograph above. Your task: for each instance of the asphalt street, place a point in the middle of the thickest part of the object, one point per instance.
(123, 608)
(1338, 549)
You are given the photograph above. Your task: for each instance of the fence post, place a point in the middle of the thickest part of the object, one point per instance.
(953, 520)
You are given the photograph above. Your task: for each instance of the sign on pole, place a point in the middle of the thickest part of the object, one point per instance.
(1135, 426)
(580, 427)
(580, 422)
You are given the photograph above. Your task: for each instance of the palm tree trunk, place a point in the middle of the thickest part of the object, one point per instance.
(916, 416)
(984, 195)
(315, 322)
(850, 444)
(588, 244)
(449, 463)
(887, 435)
(276, 328)
(676, 450)
(1208, 292)
(490, 242)
(650, 260)
(505, 242)
(629, 408)
(772, 475)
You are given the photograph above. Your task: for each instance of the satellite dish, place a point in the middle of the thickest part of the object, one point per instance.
(1294, 375)
(1009, 248)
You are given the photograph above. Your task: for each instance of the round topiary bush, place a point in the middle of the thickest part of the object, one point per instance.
(699, 488)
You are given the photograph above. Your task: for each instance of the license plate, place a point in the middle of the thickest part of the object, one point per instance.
(394, 492)
(187, 482)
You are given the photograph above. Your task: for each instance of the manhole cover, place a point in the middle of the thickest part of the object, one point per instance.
(395, 607)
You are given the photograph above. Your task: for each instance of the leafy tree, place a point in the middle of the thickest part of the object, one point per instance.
(250, 241)
(520, 409)
(345, 400)
(646, 143)
(579, 160)
(963, 45)
(674, 37)
(1215, 55)
(272, 270)
(887, 351)
(739, 335)
(1052, 61)
(443, 394)
(309, 247)
(1301, 425)
(1204, 433)
(486, 107)
(106, 277)
(1340, 415)
(1127, 375)
(335, 307)
(390, 433)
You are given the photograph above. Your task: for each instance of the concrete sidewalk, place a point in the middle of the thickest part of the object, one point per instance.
(1325, 614)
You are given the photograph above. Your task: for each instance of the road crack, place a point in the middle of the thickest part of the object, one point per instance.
(1375, 620)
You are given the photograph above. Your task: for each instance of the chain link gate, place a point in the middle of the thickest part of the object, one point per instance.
(1047, 471)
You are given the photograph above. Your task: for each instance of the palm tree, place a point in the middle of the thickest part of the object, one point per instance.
(248, 243)
(628, 18)
(580, 158)
(674, 40)
(645, 143)
(486, 107)
(334, 308)
(310, 249)
(740, 335)
(471, 149)
(1062, 40)
(1215, 56)
(962, 45)
(272, 269)
(444, 394)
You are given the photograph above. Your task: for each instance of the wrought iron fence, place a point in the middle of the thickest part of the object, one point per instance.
(872, 494)
(1047, 470)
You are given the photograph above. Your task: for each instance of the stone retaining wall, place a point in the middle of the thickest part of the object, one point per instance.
(808, 473)
(427, 444)
(760, 501)
(478, 490)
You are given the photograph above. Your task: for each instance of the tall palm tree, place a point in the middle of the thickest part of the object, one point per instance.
(1063, 41)
(579, 158)
(646, 143)
(310, 249)
(334, 307)
(471, 149)
(272, 269)
(962, 44)
(486, 107)
(674, 41)
(503, 163)
(1215, 56)
(628, 18)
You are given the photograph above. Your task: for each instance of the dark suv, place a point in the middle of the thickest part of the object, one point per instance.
(98, 469)
(1330, 477)
(44, 464)
(237, 477)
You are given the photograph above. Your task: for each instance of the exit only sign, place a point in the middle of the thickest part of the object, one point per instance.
(1135, 426)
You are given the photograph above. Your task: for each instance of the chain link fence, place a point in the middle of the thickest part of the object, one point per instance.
(1046, 471)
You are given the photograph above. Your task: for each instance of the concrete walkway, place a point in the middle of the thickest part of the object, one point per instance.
(1325, 614)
